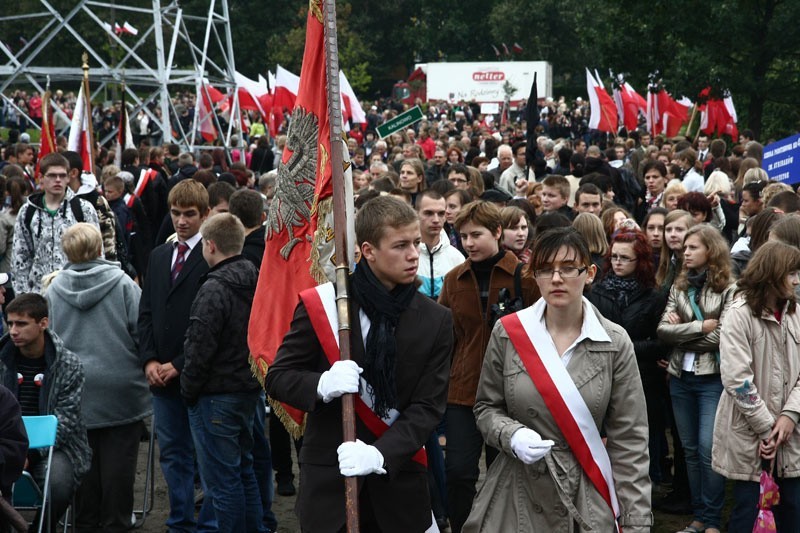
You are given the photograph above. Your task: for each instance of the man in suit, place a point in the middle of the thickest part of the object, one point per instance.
(401, 345)
(175, 273)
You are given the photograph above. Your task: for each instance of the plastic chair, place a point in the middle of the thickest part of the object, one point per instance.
(26, 493)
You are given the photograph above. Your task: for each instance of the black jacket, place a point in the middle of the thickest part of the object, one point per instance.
(640, 319)
(13, 441)
(164, 309)
(254, 246)
(216, 351)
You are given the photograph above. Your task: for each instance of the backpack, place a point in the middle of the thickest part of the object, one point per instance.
(74, 204)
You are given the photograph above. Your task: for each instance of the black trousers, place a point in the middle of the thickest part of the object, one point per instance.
(462, 462)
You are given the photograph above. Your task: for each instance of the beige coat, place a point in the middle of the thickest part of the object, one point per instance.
(688, 336)
(553, 495)
(761, 375)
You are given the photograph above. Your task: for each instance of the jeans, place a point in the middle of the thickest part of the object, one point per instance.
(222, 428)
(62, 486)
(262, 464)
(694, 402)
(745, 506)
(462, 462)
(176, 455)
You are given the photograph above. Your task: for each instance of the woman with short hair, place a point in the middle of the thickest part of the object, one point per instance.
(94, 309)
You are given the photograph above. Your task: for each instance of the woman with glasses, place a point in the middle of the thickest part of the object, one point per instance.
(691, 324)
(757, 416)
(555, 376)
(627, 296)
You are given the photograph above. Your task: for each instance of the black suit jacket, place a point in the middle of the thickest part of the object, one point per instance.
(399, 499)
(164, 309)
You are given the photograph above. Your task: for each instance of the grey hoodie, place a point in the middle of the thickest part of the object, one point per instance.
(94, 308)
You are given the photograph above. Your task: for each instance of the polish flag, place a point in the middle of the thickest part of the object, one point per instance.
(287, 86)
(351, 107)
(603, 111)
(629, 105)
(80, 137)
(129, 29)
(204, 109)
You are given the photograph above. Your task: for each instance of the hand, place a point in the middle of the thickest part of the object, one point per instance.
(674, 318)
(528, 445)
(521, 187)
(714, 199)
(663, 363)
(168, 372)
(342, 378)
(782, 430)
(709, 325)
(359, 459)
(152, 371)
(767, 449)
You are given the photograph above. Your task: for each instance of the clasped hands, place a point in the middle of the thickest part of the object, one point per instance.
(781, 433)
(158, 374)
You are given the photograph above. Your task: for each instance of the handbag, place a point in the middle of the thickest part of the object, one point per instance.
(768, 497)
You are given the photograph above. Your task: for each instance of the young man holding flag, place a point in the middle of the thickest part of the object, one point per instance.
(402, 342)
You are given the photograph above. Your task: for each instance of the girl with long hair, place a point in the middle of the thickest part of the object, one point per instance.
(690, 325)
(757, 415)
(676, 224)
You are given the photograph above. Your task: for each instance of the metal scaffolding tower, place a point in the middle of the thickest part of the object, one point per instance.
(146, 61)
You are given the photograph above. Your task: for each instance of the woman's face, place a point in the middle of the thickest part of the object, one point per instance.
(698, 216)
(452, 207)
(654, 182)
(560, 291)
(695, 253)
(360, 182)
(409, 180)
(655, 231)
(452, 157)
(515, 237)
(790, 284)
(619, 217)
(674, 233)
(623, 259)
(671, 202)
(484, 166)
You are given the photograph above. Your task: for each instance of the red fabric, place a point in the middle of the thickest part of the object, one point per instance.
(205, 122)
(676, 115)
(608, 111)
(48, 139)
(632, 102)
(555, 404)
(281, 280)
(322, 327)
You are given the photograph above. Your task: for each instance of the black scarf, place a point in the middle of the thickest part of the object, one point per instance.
(697, 280)
(622, 288)
(383, 308)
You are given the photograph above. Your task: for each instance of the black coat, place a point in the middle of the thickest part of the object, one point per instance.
(13, 441)
(399, 499)
(164, 309)
(640, 319)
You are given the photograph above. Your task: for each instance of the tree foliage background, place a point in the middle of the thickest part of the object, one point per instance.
(751, 47)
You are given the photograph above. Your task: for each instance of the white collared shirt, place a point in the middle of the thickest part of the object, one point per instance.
(590, 329)
(191, 242)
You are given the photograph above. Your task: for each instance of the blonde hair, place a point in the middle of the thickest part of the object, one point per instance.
(717, 181)
(82, 243)
(590, 226)
(674, 188)
(773, 189)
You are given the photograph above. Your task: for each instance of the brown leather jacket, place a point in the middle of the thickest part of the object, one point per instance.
(471, 324)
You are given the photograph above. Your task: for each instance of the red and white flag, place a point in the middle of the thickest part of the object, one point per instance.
(299, 243)
(204, 109)
(129, 29)
(351, 107)
(718, 116)
(665, 115)
(80, 137)
(602, 110)
(124, 135)
(629, 105)
(48, 139)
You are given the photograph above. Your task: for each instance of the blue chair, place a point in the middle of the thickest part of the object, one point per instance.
(27, 494)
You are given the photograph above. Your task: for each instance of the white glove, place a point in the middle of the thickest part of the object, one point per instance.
(528, 445)
(342, 378)
(359, 459)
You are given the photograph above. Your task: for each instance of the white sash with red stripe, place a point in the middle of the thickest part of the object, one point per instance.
(145, 177)
(320, 301)
(563, 400)
(128, 199)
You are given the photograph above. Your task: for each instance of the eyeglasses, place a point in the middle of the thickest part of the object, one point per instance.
(621, 259)
(61, 177)
(564, 272)
(457, 180)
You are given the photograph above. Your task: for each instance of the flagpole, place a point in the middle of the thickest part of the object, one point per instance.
(691, 120)
(88, 99)
(340, 215)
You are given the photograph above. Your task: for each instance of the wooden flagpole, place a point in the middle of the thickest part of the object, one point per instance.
(340, 216)
(88, 98)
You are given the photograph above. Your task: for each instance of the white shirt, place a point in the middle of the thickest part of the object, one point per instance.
(191, 241)
(590, 329)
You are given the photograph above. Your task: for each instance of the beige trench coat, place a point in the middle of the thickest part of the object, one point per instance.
(553, 495)
(761, 375)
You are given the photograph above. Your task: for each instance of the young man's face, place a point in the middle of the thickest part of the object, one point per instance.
(589, 203)
(519, 157)
(112, 193)
(26, 157)
(395, 260)
(551, 198)
(221, 207)
(479, 243)
(431, 217)
(25, 330)
(187, 221)
(55, 180)
(702, 143)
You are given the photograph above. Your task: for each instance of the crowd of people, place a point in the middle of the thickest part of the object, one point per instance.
(563, 306)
